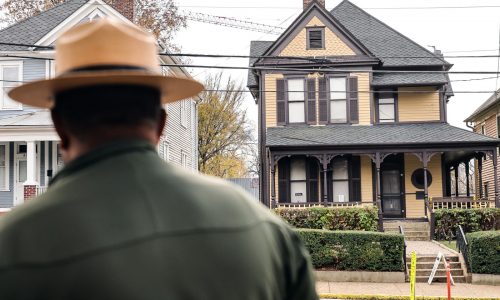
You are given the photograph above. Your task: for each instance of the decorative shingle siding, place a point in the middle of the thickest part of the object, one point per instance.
(333, 44)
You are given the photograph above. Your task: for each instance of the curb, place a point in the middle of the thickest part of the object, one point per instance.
(386, 297)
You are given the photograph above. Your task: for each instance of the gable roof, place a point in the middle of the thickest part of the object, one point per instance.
(31, 30)
(257, 48)
(382, 40)
(391, 47)
(491, 101)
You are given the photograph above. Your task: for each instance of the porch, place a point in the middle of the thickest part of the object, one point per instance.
(409, 179)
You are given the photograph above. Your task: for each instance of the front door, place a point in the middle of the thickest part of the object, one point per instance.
(20, 177)
(391, 188)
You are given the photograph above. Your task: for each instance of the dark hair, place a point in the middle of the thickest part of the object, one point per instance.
(83, 110)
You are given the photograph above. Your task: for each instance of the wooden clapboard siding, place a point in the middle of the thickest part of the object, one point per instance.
(270, 98)
(333, 44)
(423, 105)
(363, 98)
(415, 208)
(490, 126)
(366, 179)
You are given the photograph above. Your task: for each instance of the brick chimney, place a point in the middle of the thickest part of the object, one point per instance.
(125, 7)
(308, 2)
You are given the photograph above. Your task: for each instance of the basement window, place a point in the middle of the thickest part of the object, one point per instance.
(315, 38)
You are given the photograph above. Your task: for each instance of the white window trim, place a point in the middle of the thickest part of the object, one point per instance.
(166, 151)
(184, 159)
(54, 158)
(184, 115)
(18, 64)
(7, 167)
(96, 13)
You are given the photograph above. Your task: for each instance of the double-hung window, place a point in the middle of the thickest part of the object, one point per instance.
(296, 101)
(298, 181)
(386, 108)
(340, 180)
(338, 99)
(10, 78)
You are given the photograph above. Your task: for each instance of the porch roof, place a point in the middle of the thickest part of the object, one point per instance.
(32, 118)
(375, 135)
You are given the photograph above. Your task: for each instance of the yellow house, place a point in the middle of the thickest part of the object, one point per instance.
(351, 112)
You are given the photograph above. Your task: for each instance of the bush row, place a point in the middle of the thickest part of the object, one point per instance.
(484, 252)
(354, 250)
(353, 218)
(480, 219)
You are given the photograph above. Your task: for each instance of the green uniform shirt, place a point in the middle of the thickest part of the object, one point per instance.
(119, 223)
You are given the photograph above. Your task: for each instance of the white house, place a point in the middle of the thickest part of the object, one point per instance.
(29, 147)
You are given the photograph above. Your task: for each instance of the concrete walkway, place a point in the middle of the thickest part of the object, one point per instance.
(403, 289)
(426, 248)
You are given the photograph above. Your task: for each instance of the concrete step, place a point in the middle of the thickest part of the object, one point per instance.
(440, 272)
(430, 258)
(457, 279)
(428, 265)
(417, 233)
(418, 238)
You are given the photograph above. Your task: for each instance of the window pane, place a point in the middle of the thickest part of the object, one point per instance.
(3, 174)
(338, 111)
(386, 101)
(298, 192)
(23, 171)
(340, 169)
(340, 191)
(298, 169)
(296, 112)
(10, 77)
(338, 88)
(296, 90)
(386, 113)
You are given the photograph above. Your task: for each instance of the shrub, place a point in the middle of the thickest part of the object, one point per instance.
(351, 218)
(478, 219)
(484, 252)
(354, 250)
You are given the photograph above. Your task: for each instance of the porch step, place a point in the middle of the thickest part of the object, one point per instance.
(425, 263)
(414, 230)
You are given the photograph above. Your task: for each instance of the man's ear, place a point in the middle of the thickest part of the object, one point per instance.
(161, 124)
(61, 131)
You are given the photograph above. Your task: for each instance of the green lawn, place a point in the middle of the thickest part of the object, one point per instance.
(451, 245)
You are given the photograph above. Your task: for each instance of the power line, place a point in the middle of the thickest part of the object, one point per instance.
(371, 8)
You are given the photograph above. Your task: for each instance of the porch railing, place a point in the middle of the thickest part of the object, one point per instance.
(431, 217)
(460, 202)
(402, 231)
(40, 190)
(462, 245)
(325, 204)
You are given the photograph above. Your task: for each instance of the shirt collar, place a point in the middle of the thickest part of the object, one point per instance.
(108, 150)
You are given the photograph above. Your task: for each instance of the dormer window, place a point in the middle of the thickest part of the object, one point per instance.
(316, 38)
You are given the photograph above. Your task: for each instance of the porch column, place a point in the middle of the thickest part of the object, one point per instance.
(272, 167)
(30, 184)
(480, 175)
(456, 180)
(426, 188)
(324, 170)
(495, 177)
(378, 162)
(467, 178)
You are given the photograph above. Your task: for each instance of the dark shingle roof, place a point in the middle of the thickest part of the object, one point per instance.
(492, 100)
(257, 48)
(373, 135)
(387, 79)
(382, 40)
(31, 30)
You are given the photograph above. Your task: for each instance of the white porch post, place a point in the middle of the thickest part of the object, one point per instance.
(30, 184)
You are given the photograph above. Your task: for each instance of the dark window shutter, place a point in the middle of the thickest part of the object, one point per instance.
(280, 102)
(353, 99)
(313, 186)
(323, 101)
(283, 180)
(316, 39)
(311, 101)
(355, 189)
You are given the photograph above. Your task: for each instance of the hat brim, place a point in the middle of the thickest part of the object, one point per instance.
(41, 93)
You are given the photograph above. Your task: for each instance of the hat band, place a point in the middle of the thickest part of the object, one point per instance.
(105, 68)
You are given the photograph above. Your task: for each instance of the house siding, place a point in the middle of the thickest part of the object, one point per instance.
(333, 44)
(423, 105)
(490, 126)
(270, 98)
(416, 208)
(364, 99)
(366, 179)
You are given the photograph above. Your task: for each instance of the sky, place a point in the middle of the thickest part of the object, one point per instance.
(449, 30)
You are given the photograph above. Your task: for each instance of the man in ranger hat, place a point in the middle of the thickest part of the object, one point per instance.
(119, 223)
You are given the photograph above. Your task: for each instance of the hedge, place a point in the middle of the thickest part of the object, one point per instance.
(478, 219)
(354, 250)
(484, 252)
(386, 297)
(352, 218)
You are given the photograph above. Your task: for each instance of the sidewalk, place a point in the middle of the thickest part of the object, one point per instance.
(403, 289)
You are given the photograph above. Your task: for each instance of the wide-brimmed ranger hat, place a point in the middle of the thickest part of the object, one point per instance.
(105, 52)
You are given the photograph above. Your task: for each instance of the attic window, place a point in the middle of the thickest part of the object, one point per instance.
(315, 38)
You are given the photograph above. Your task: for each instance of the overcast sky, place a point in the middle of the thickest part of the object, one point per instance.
(449, 30)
